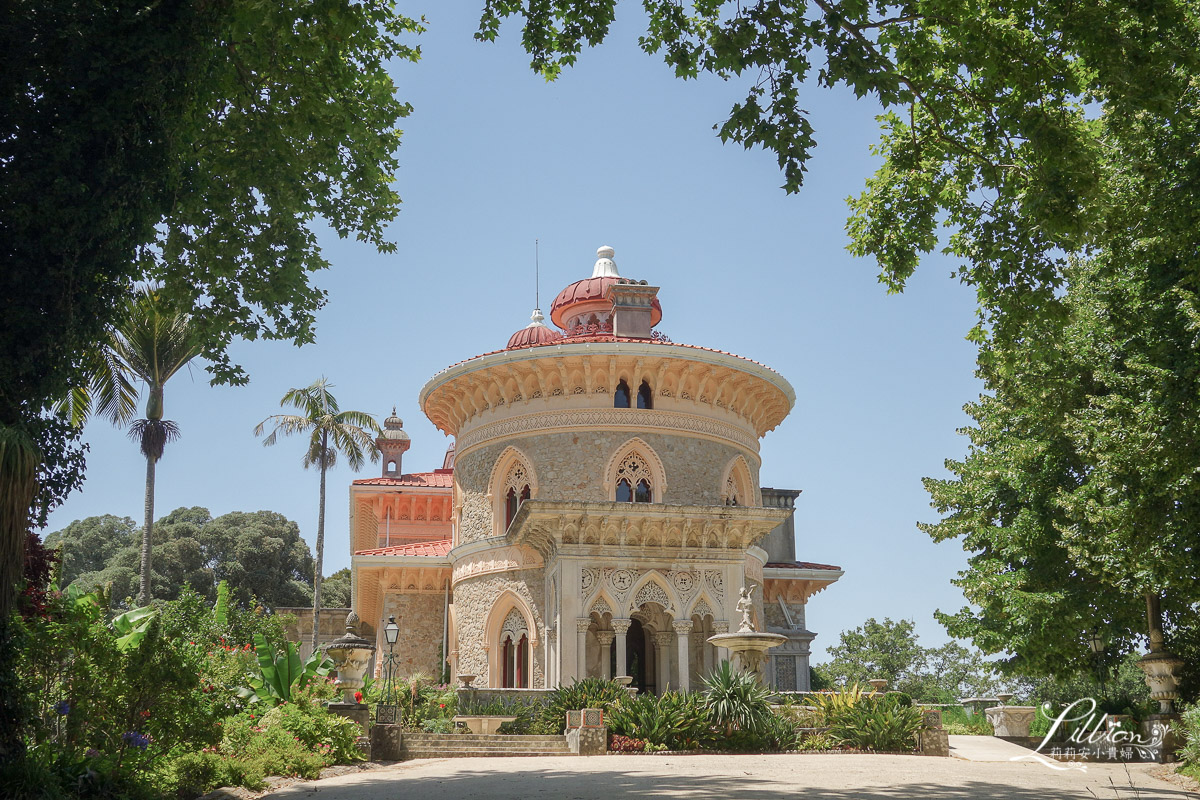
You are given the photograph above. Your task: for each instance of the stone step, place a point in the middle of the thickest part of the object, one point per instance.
(480, 737)
(482, 753)
(481, 745)
(532, 747)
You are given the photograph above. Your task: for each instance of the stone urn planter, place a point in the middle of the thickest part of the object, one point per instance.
(1162, 676)
(351, 654)
(1011, 721)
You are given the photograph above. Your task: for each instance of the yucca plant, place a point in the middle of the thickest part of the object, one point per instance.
(736, 701)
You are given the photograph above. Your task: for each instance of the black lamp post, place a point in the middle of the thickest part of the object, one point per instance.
(385, 713)
(1097, 643)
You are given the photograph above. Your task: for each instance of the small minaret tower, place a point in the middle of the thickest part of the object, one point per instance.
(392, 444)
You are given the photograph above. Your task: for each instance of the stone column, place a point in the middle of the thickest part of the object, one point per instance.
(605, 638)
(552, 660)
(621, 629)
(581, 625)
(710, 652)
(683, 631)
(722, 654)
(662, 643)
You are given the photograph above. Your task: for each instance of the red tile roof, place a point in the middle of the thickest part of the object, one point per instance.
(434, 549)
(802, 565)
(438, 479)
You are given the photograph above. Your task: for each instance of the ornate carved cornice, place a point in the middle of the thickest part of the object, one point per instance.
(557, 377)
(548, 525)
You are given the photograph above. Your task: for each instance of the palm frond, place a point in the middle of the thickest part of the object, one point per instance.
(153, 435)
(154, 339)
(331, 431)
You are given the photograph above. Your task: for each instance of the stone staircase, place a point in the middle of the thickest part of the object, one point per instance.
(480, 745)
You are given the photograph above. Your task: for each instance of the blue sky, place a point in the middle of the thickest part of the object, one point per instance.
(616, 152)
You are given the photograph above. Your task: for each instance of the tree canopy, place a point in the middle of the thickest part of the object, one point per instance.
(261, 554)
(189, 144)
(890, 650)
(1053, 148)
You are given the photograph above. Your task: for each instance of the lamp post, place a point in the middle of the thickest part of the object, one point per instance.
(1097, 643)
(385, 713)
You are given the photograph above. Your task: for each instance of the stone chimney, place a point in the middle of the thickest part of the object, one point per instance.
(392, 444)
(632, 308)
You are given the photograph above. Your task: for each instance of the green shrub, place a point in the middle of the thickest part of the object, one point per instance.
(957, 722)
(316, 728)
(673, 721)
(1190, 724)
(194, 774)
(736, 701)
(875, 723)
(586, 693)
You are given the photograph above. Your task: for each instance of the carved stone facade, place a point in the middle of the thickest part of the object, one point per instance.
(598, 513)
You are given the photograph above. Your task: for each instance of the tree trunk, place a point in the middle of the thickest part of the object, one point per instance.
(147, 530)
(1154, 622)
(317, 567)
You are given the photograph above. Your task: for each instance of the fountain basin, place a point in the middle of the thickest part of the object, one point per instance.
(748, 649)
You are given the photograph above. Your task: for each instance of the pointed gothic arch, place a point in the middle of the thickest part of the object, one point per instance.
(737, 485)
(636, 471)
(510, 637)
(654, 588)
(512, 482)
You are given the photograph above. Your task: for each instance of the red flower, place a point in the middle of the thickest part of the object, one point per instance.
(358, 697)
(145, 714)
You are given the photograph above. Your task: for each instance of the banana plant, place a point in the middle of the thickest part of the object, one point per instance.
(280, 672)
(130, 626)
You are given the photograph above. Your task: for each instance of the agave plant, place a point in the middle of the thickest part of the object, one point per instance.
(736, 701)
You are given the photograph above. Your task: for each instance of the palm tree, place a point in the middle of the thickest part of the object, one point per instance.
(150, 342)
(330, 431)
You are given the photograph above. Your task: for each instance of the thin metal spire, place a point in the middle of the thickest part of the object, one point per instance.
(537, 278)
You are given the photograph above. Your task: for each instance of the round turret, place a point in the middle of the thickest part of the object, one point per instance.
(584, 300)
(392, 444)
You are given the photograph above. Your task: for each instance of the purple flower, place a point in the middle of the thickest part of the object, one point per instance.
(63, 707)
(135, 739)
(92, 753)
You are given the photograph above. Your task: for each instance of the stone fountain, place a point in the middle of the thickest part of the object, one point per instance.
(747, 646)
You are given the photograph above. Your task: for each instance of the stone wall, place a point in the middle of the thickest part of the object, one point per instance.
(332, 626)
(473, 601)
(418, 648)
(570, 466)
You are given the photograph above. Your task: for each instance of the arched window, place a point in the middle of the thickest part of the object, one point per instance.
(634, 480)
(738, 488)
(514, 653)
(645, 398)
(512, 502)
(621, 395)
(514, 662)
(634, 474)
(513, 482)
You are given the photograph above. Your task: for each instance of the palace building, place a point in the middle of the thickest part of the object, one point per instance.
(598, 511)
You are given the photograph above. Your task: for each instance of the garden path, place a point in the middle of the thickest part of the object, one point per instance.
(985, 748)
(744, 777)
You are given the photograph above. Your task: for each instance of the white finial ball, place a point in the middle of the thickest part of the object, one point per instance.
(605, 252)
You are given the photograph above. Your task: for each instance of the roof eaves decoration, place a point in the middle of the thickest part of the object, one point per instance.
(747, 388)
